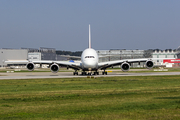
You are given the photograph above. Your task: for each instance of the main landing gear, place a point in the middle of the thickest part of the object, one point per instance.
(104, 73)
(90, 73)
(75, 73)
(96, 73)
(85, 73)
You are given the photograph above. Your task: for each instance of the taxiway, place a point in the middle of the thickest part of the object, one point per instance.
(42, 75)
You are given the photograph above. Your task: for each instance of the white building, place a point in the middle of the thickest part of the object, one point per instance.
(12, 54)
(35, 56)
(168, 53)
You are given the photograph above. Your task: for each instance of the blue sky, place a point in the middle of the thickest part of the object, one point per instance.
(115, 24)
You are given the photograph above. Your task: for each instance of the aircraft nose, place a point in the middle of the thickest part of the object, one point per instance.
(90, 64)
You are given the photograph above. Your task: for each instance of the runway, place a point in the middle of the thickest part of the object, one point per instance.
(42, 75)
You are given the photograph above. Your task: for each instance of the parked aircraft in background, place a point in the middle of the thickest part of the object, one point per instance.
(89, 63)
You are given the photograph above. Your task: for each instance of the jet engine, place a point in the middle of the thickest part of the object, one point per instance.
(54, 68)
(125, 66)
(149, 64)
(30, 66)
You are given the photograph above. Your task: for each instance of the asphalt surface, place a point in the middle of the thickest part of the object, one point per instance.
(40, 75)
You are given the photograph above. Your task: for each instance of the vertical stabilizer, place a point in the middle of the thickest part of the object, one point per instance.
(89, 36)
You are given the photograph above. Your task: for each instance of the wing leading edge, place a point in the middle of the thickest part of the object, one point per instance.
(104, 65)
(68, 64)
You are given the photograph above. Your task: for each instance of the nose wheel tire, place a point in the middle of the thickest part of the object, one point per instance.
(84, 73)
(90, 73)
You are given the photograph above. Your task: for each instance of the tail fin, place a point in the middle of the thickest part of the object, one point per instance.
(89, 36)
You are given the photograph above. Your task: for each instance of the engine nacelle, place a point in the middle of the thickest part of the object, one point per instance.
(149, 64)
(125, 66)
(30, 66)
(54, 68)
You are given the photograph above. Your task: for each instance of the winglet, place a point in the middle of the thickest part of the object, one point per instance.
(89, 36)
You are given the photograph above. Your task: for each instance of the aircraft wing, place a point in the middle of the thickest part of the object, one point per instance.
(104, 65)
(68, 64)
(16, 61)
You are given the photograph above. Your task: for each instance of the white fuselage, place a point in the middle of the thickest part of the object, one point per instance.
(89, 59)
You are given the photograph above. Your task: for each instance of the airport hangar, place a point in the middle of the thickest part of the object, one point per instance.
(105, 55)
(28, 54)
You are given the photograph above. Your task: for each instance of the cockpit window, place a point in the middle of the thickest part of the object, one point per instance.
(89, 57)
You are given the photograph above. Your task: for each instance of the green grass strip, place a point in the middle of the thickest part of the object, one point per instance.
(141, 97)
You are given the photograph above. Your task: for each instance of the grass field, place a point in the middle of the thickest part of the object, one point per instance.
(149, 97)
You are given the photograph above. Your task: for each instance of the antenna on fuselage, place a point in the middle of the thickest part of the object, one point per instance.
(89, 36)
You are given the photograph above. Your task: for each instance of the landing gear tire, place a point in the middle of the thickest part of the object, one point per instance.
(75, 73)
(96, 73)
(104, 73)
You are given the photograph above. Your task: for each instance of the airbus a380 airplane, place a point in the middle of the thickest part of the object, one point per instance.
(89, 62)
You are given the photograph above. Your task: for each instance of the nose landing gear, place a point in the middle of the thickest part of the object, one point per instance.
(83, 73)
